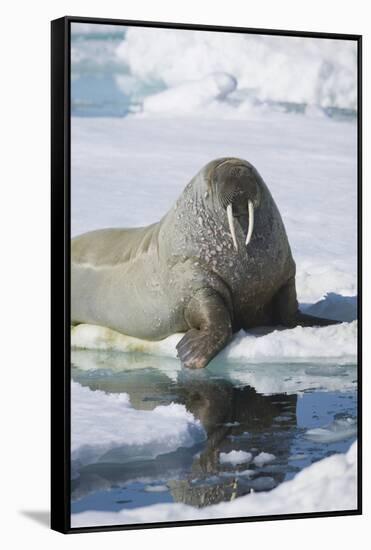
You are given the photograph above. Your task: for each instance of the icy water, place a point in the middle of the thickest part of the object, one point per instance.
(292, 429)
(101, 83)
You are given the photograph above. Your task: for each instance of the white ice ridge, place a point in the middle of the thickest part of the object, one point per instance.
(106, 427)
(327, 485)
(336, 341)
(299, 70)
(185, 98)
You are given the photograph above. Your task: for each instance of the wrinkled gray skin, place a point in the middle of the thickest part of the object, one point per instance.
(183, 273)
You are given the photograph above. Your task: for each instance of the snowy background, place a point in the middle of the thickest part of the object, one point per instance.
(293, 73)
(150, 107)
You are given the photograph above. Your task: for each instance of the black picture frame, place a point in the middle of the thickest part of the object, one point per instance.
(60, 270)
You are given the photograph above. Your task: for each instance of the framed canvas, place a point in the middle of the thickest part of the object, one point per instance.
(206, 274)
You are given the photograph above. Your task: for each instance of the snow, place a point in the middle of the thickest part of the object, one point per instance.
(296, 343)
(106, 427)
(191, 96)
(319, 72)
(327, 485)
(235, 457)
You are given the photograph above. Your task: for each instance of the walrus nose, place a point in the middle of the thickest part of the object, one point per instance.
(230, 217)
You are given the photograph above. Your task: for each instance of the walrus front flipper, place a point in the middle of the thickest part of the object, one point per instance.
(210, 329)
(286, 310)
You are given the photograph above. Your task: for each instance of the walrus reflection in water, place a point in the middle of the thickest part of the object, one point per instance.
(234, 418)
(217, 262)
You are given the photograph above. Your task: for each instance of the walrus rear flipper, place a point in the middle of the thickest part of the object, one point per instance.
(287, 313)
(305, 320)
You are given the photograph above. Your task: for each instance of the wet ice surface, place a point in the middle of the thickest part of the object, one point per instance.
(252, 440)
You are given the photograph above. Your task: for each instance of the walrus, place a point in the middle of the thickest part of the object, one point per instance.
(217, 262)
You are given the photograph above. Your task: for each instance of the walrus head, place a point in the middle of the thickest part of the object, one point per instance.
(233, 185)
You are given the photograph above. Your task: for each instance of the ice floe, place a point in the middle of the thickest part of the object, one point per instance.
(105, 427)
(235, 457)
(339, 430)
(263, 458)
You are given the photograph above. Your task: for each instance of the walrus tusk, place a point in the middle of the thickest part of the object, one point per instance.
(231, 225)
(251, 223)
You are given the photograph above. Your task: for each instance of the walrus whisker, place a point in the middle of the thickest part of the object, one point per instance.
(225, 198)
(231, 225)
(251, 223)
